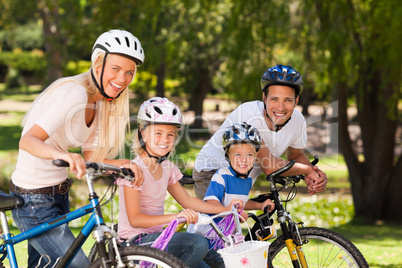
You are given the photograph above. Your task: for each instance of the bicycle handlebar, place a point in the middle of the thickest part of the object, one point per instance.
(276, 178)
(280, 171)
(100, 167)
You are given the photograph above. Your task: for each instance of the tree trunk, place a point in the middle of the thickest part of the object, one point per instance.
(160, 73)
(198, 97)
(54, 42)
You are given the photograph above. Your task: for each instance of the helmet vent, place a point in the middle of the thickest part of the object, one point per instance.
(174, 111)
(135, 45)
(127, 41)
(158, 110)
(108, 44)
(118, 40)
(147, 114)
(235, 130)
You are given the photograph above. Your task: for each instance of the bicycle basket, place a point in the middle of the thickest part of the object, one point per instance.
(247, 254)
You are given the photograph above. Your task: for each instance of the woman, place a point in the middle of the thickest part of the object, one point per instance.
(90, 111)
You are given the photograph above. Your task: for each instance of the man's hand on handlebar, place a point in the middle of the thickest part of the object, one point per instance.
(316, 181)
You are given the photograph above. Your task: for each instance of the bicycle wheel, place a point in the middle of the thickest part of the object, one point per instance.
(131, 257)
(325, 248)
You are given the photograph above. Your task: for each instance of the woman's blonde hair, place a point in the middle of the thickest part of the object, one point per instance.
(112, 118)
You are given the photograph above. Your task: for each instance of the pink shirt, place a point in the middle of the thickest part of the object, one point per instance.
(152, 195)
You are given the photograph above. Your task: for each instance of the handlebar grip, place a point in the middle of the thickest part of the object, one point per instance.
(60, 163)
(127, 172)
(315, 161)
(181, 220)
(280, 171)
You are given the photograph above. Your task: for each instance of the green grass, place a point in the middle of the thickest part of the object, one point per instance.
(380, 243)
(26, 94)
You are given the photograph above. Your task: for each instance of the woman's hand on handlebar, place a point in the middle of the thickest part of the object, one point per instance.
(190, 215)
(75, 161)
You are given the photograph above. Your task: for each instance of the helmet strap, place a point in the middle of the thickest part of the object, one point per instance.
(142, 144)
(101, 88)
(277, 127)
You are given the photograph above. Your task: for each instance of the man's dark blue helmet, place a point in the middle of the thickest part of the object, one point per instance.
(282, 75)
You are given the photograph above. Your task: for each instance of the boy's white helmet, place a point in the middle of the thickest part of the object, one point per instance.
(159, 110)
(119, 42)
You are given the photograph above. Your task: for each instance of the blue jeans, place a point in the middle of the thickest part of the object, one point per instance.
(190, 248)
(38, 209)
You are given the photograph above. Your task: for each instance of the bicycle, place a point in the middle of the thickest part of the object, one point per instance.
(298, 246)
(112, 255)
(306, 246)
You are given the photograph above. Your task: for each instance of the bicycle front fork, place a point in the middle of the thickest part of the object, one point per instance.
(294, 244)
(102, 234)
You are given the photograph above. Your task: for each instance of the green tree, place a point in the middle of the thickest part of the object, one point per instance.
(360, 42)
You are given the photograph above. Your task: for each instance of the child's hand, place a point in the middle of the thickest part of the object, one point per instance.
(244, 214)
(190, 215)
(269, 204)
(235, 202)
(138, 176)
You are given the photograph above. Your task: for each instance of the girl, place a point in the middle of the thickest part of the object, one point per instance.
(72, 112)
(142, 208)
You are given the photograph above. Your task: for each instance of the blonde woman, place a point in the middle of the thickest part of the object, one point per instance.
(90, 111)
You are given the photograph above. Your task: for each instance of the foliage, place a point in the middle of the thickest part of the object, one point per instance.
(19, 63)
(76, 67)
(26, 37)
(33, 61)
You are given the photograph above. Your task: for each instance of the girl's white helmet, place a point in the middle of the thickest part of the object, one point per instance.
(119, 42)
(159, 110)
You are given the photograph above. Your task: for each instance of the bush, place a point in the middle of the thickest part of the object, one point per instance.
(22, 63)
(26, 37)
(76, 67)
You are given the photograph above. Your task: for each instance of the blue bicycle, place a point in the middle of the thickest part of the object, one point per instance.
(111, 254)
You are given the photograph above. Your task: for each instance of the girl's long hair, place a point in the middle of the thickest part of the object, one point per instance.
(112, 118)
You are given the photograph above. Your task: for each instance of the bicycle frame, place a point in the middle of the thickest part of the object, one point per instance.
(289, 228)
(287, 225)
(96, 220)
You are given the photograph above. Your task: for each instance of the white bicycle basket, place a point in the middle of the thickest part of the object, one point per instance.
(247, 254)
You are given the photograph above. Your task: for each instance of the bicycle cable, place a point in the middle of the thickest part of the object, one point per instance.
(112, 188)
(291, 195)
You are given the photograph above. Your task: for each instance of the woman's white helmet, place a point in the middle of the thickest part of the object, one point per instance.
(119, 42)
(159, 110)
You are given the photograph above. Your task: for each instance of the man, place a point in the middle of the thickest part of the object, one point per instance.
(281, 126)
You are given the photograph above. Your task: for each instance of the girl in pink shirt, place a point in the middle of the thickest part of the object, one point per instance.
(141, 216)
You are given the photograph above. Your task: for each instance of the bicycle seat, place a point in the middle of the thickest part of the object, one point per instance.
(186, 179)
(8, 202)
